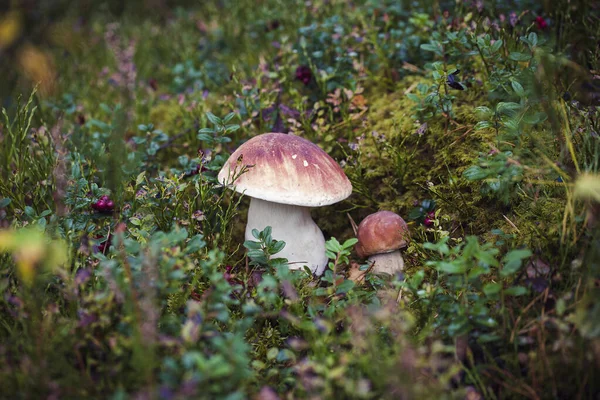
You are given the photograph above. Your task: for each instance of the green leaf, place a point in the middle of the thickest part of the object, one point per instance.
(507, 107)
(488, 337)
(140, 178)
(232, 128)
(258, 256)
(135, 221)
(228, 117)
(487, 321)
(349, 243)
(267, 233)
(516, 56)
(204, 137)
(441, 246)
(213, 118)
(534, 117)
(223, 139)
(532, 39)
(252, 245)
(417, 279)
(414, 97)
(277, 247)
(272, 353)
(518, 88)
(516, 291)
(345, 287)
(487, 257)
(105, 108)
(491, 289)
(483, 125)
(483, 112)
(474, 173)
(195, 244)
(4, 202)
(561, 307)
(333, 245)
(454, 267)
(513, 260)
(496, 46)
(431, 47)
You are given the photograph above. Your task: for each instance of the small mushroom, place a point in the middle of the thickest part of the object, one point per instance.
(380, 237)
(288, 175)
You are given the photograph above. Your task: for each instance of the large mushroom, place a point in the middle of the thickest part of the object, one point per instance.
(287, 175)
(380, 237)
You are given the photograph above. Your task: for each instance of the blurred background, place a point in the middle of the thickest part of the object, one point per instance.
(29, 29)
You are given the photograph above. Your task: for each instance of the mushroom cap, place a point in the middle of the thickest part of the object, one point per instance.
(286, 169)
(381, 232)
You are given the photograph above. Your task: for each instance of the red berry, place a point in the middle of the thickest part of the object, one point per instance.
(100, 205)
(109, 205)
(541, 22)
(429, 219)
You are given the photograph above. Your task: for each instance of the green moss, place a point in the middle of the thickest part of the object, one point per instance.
(409, 166)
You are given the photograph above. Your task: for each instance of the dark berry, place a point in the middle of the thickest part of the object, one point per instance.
(110, 205)
(103, 246)
(304, 74)
(429, 219)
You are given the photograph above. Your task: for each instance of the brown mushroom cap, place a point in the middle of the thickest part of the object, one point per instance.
(381, 232)
(286, 169)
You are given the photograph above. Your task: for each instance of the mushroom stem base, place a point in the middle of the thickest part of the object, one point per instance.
(387, 263)
(304, 241)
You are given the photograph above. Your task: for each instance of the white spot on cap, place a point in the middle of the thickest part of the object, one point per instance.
(305, 163)
(294, 156)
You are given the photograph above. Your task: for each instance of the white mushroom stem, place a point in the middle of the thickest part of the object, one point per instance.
(304, 241)
(387, 263)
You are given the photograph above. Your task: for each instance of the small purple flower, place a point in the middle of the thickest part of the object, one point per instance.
(513, 19)
(86, 318)
(198, 215)
(82, 276)
(166, 393)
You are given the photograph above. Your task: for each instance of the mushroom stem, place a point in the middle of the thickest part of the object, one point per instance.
(304, 241)
(387, 263)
